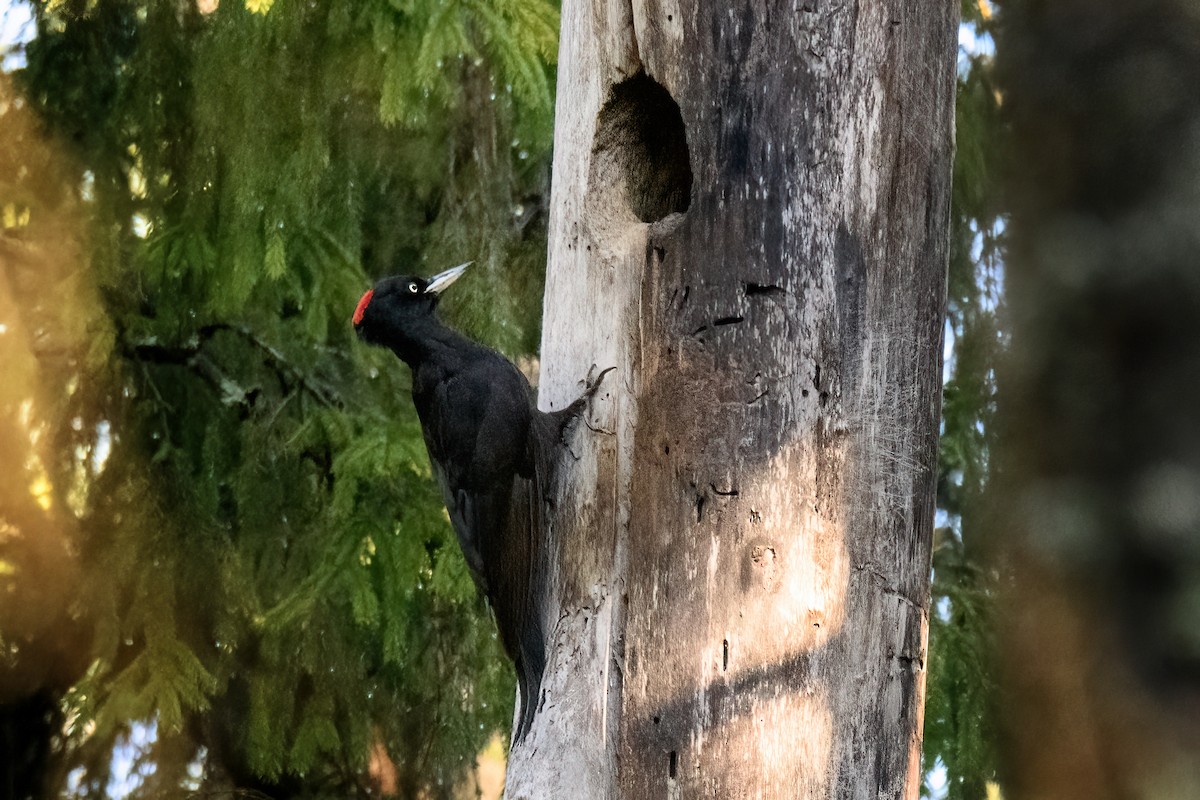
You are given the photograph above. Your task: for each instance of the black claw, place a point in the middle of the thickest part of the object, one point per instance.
(593, 385)
(569, 415)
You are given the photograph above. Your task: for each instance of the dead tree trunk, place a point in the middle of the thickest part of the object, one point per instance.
(749, 221)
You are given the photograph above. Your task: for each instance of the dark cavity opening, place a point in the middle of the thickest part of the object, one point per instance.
(753, 289)
(725, 656)
(672, 764)
(641, 130)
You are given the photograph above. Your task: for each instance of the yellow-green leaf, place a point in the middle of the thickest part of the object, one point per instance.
(276, 256)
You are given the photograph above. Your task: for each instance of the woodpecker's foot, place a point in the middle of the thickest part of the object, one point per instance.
(592, 385)
(569, 415)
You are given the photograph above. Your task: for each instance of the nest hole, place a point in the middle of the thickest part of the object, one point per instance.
(641, 147)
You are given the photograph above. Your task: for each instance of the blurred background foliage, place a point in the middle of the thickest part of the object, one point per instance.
(223, 564)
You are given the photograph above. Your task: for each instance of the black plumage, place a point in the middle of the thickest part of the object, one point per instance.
(492, 451)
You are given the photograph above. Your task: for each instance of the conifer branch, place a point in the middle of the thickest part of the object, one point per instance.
(190, 355)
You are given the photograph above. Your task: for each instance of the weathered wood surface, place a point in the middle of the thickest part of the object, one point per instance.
(749, 221)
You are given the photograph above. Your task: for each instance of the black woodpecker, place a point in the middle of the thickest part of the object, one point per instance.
(492, 451)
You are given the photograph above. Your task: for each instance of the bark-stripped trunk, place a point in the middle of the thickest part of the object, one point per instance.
(749, 221)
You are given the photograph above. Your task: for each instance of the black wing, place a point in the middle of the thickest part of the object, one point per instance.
(477, 424)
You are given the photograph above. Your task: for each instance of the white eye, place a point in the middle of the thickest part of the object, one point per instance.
(412, 287)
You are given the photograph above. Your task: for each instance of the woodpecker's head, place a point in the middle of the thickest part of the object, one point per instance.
(397, 307)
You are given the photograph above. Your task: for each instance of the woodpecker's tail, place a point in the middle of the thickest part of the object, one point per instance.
(530, 669)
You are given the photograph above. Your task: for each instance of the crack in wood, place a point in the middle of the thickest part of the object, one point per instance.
(756, 289)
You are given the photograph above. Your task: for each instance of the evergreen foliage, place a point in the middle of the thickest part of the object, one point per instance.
(267, 572)
(960, 727)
